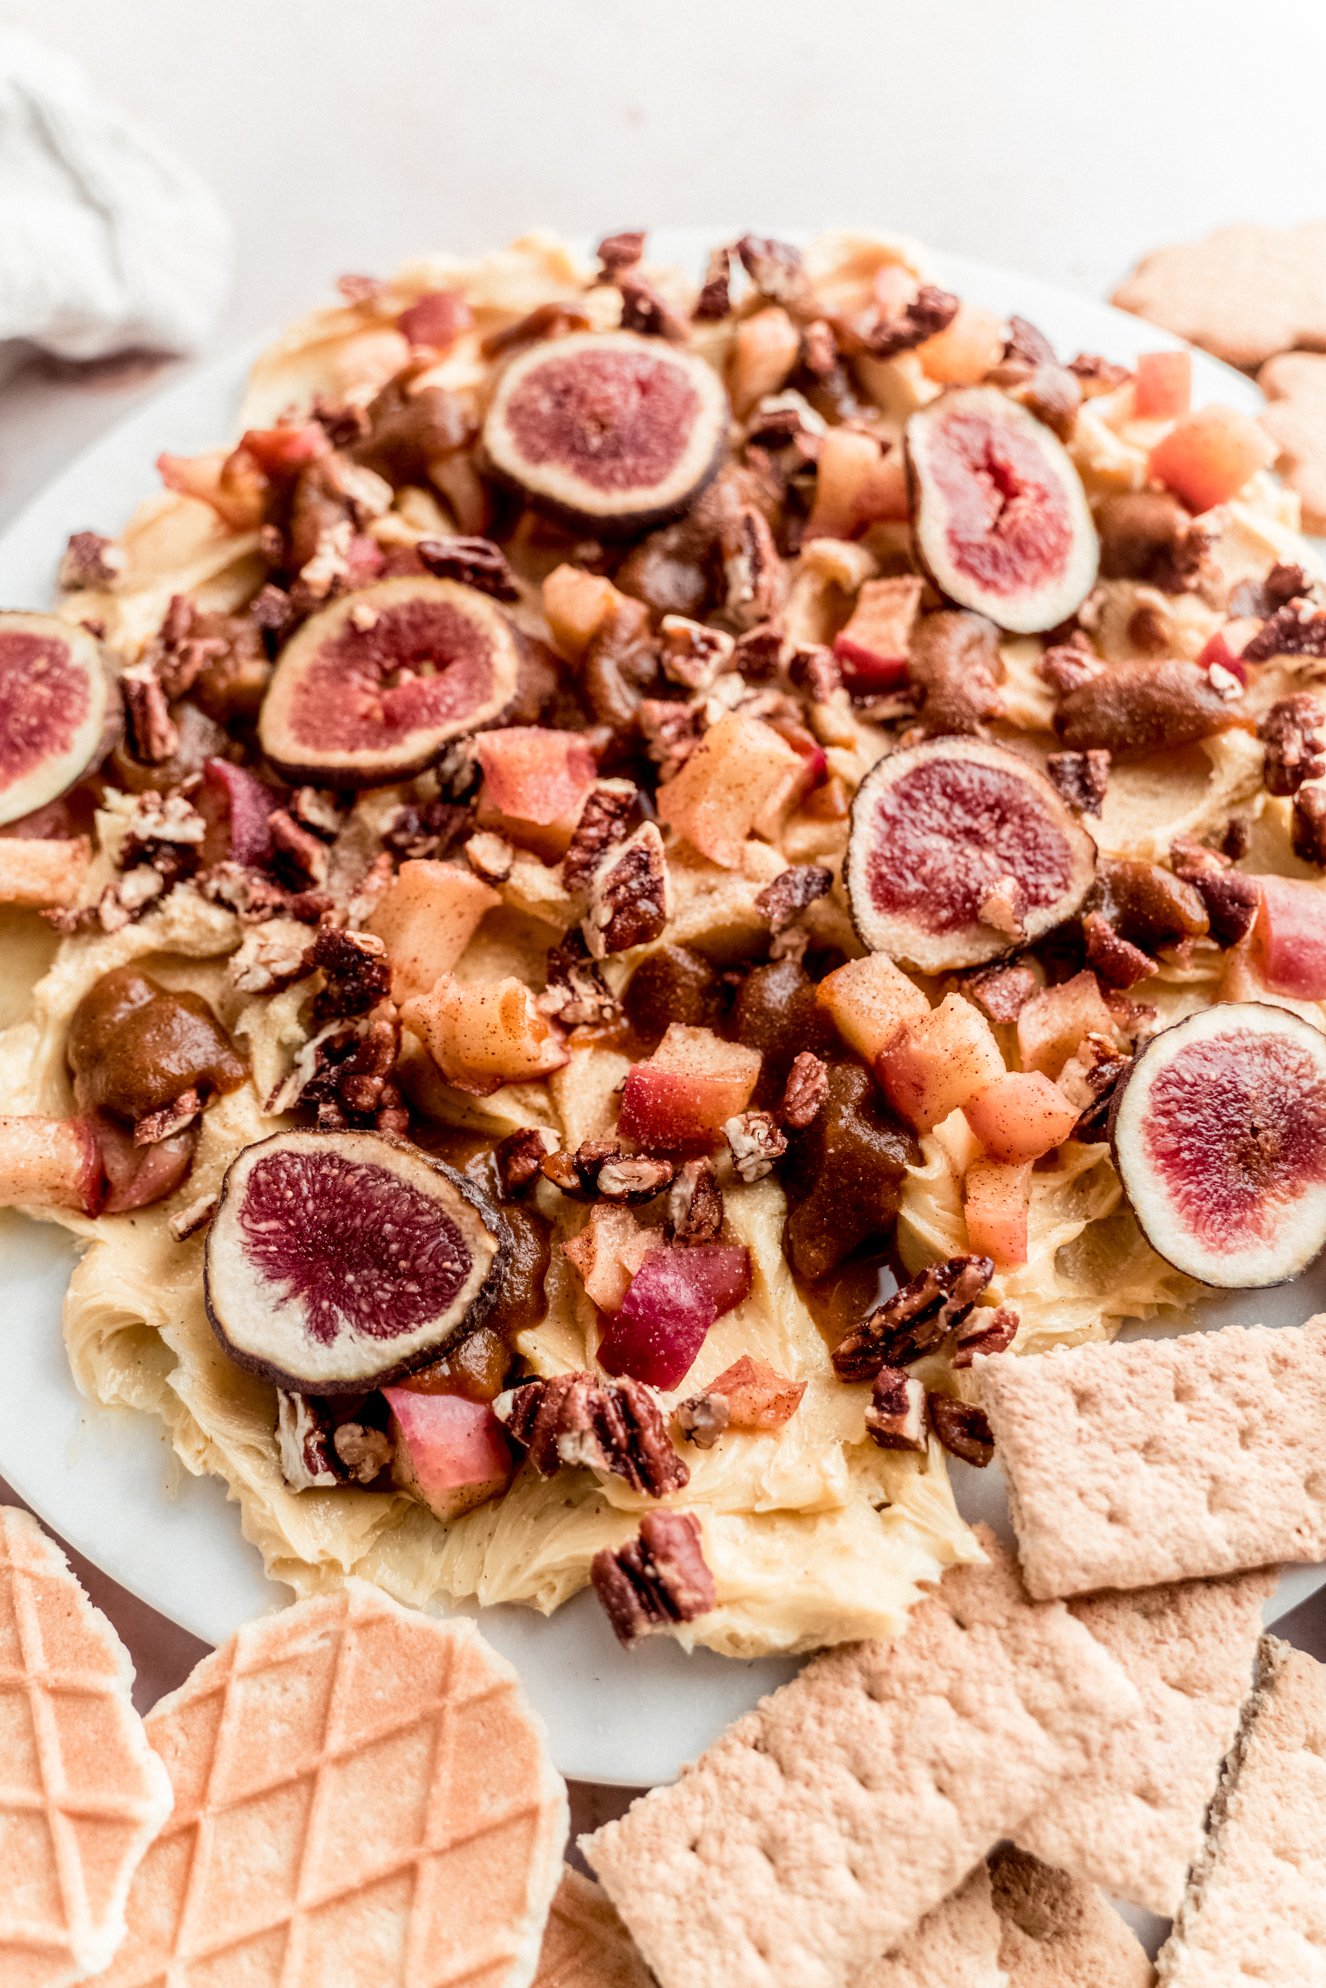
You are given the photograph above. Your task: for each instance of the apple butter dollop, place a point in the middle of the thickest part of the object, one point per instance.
(135, 1047)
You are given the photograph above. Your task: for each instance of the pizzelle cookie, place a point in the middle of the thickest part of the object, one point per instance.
(362, 1794)
(1295, 418)
(1134, 1824)
(1242, 293)
(1056, 1932)
(81, 1792)
(1256, 1904)
(1163, 1460)
(762, 1864)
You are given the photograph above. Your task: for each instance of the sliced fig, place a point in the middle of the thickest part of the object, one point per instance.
(58, 710)
(1001, 519)
(338, 1261)
(1219, 1134)
(608, 429)
(374, 687)
(961, 850)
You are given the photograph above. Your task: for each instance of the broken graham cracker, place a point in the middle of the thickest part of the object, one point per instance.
(362, 1795)
(1163, 1459)
(1295, 418)
(81, 1792)
(1135, 1823)
(820, 1830)
(1242, 293)
(1057, 1932)
(1256, 1905)
(956, 1943)
(585, 1944)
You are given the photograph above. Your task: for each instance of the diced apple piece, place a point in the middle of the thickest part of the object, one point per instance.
(856, 484)
(426, 917)
(41, 872)
(485, 1035)
(939, 1061)
(870, 1001)
(1020, 1116)
(740, 776)
(965, 350)
(1208, 456)
(691, 1085)
(1052, 1023)
(1289, 937)
(757, 1397)
(996, 1198)
(451, 1453)
(578, 606)
(236, 807)
(673, 1299)
(50, 1163)
(875, 646)
(1163, 389)
(607, 1252)
(137, 1176)
(534, 785)
(764, 351)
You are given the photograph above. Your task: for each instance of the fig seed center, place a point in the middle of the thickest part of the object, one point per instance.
(1006, 523)
(420, 665)
(44, 696)
(620, 420)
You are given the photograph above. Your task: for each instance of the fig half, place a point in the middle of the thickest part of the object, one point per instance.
(607, 429)
(57, 710)
(1219, 1135)
(1002, 522)
(960, 850)
(338, 1261)
(373, 688)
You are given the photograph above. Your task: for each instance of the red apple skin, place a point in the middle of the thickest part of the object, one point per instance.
(534, 784)
(682, 1097)
(287, 448)
(236, 807)
(1164, 385)
(1020, 1116)
(996, 1199)
(451, 1453)
(1289, 937)
(669, 1306)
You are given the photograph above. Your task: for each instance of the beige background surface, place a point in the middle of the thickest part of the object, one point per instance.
(1059, 136)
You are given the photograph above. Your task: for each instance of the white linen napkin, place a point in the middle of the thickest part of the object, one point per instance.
(107, 242)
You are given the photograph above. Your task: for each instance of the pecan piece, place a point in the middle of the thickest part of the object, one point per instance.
(1308, 825)
(476, 562)
(575, 1422)
(775, 268)
(691, 654)
(1080, 777)
(646, 310)
(754, 576)
(931, 310)
(610, 812)
(1294, 735)
(749, 1395)
(193, 1218)
(357, 970)
(806, 1091)
(632, 1178)
(702, 1419)
(895, 1418)
(792, 891)
(171, 1118)
(304, 1443)
(153, 733)
(1112, 956)
(1230, 897)
(362, 1452)
(1097, 375)
(519, 1158)
(90, 561)
(1297, 629)
(755, 1142)
(695, 1204)
(962, 1428)
(1003, 991)
(1102, 1080)
(986, 1331)
(715, 298)
(620, 251)
(576, 994)
(630, 895)
(658, 1578)
(915, 1320)
(298, 850)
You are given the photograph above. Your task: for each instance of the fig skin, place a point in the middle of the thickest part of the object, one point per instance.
(370, 1149)
(960, 483)
(970, 942)
(310, 686)
(73, 694)
(690, 441)
(1301, 1236)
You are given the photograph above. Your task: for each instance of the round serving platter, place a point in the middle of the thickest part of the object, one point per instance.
(108, 1480)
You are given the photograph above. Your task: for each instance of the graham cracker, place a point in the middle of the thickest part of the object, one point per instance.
(362, 1795)
(1163, 1459)
(1256, 1906)
(1057, 1932)
(957, 1943)
(1242, 292)
(820, 1830)
(1295, 418)
(1135, 1824)
(585, 1944)
(81, 1792)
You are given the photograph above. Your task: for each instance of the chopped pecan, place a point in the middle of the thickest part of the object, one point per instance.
(792, 891)
(153, 733)
(986, 1331)
(630, 895)
(757, 654)
(1284, 583)
(1003, 905)
(1027, 346)
(90, 561)
(954, 663)
(775, 268)
(754, 577)
(1080, 777)
(193, 1218)
(1294, 735)
(1147, 535)
(477, 562)
(610, 812)
(915, 1320)
(1096, 374)
(814, 669)
(575, 1422)
(621, 250)
(357, 969)
(519, 1157)
(318, 811)
(430, 828)
(1003, 991)
(715, 298)
(490, 856)
(631, 1178)
(806, 1091)
(1112, 956)
(962, 1428)
(755, 1142)
(298, 851)
(551, 320)
(1230, 897)
(658, 1578)
(671, 732)
(1308, 825)
(362, 1452)
(748, 1395)
(895, 1416)
(702, 1419)
(305, 1443)
(1054, 395)
(1297, 629)
(576, 994)
(691, 654)
(171, 1118)
(695, 1204)
(1104, 1078)
(646, 310)
(931, 310)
